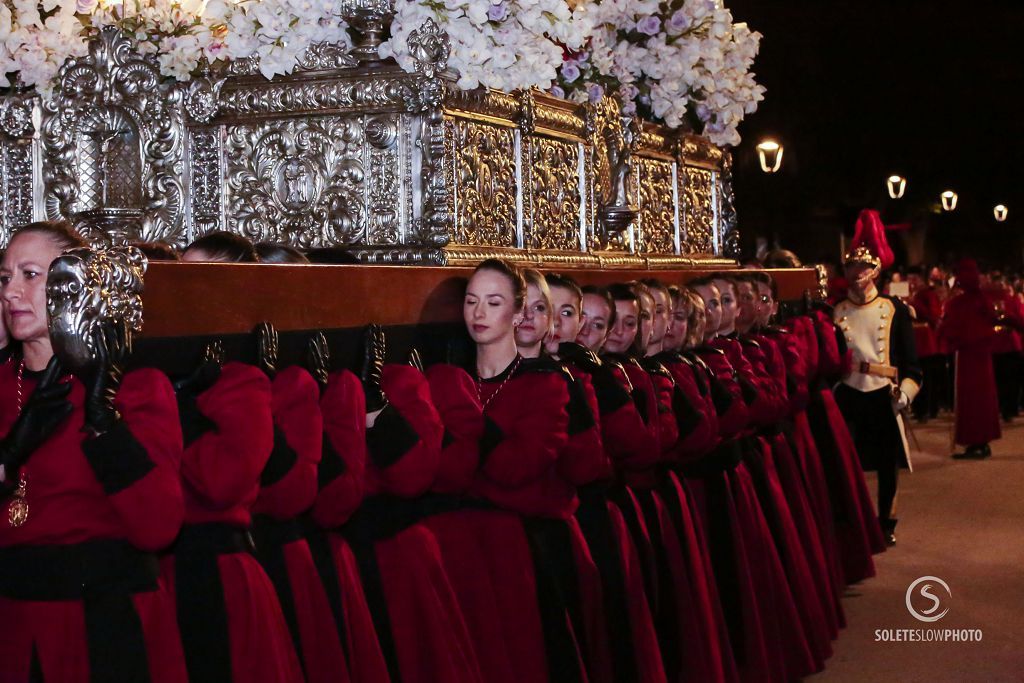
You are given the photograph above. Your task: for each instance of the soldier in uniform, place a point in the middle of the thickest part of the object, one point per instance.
(884, 375)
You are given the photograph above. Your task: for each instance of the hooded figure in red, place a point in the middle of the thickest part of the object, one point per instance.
(968, 327)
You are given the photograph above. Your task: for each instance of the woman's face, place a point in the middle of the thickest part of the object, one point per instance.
(624, 331)
(567, 318)
(594, 328)
(768, 306)
(712, 309)
(23, 285)
(536, 325)
(679, 320)
(748, 312)
(698, 325)
(489, 307)
(660, 315)
(727, 296)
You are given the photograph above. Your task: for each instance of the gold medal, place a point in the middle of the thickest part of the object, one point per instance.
(17, 511)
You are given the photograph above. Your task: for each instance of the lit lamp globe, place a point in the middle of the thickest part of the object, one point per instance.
(770, 154)
(948, 200)
(897, 185)
(1000, 212)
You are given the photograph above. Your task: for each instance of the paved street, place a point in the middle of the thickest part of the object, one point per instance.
(963, 522)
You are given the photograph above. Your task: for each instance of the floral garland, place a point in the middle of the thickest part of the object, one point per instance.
(679, 61)
(499, 44)
(683, 62)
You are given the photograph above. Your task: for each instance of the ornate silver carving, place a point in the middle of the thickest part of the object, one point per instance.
(206, 173)
(371, 20)
(325, 56)
(618, 210)
(727, 221)
(16, 116)
(112, 143)
(86, 288)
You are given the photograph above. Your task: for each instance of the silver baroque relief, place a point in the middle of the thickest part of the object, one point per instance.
(112, 147)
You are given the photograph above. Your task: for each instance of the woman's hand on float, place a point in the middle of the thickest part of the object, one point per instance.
(103, 378)
(318, 359)
(374, 347)
(266, 348)
(206, 373)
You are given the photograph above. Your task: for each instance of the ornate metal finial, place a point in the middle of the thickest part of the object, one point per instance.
(370, 21)
(430, 47)
(85, 288)
(111, 138)
(617, 214)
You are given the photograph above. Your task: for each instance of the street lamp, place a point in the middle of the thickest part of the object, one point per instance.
(770, 154)
(897, 186)
(1000, 212)
(949, 200)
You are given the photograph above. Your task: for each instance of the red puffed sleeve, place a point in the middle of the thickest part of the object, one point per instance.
(137, 462)
(701, 434)
(644, 394)
(404, 444)
(759, 403)
(668, 426)
(807, 337)
(455, 396)
(831, 361)
(797, 379)
(526, 429)
(288, 481)
(222, 467)
(770, 383)
(733, 414)
(342, 468)
(583, 461)
(627, 439)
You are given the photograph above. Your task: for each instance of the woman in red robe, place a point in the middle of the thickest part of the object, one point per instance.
(90, 490)
(288, 487)
(968, 326)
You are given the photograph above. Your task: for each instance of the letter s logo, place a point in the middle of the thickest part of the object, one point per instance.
(929, 614)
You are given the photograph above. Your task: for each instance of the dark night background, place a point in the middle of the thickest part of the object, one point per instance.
(859, 90)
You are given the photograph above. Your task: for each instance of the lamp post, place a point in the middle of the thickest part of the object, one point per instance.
(1000, 212)
(897, 185)
(770, 154)
(948, 200)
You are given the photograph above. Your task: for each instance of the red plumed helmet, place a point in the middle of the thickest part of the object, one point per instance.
(869, 244)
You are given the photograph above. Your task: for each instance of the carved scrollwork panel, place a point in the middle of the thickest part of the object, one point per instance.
(16, 187)
(729, 238)
(206, 173)
(485, 184)
(553, 201)
(656, 233)
(298, 181)
(698, 192)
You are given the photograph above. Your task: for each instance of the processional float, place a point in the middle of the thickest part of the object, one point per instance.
(399, 166)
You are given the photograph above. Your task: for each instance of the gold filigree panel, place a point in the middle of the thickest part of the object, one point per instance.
(698, 210)
(552, 206)
(656, 225)
(484, 184)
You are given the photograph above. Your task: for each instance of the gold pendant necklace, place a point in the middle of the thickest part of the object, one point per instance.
(17, 511)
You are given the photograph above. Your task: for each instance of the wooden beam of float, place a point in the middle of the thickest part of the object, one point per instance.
(192, 299)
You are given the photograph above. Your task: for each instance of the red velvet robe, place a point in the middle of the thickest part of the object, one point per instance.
(77, 496)
(289, 488)
(340, 484)
(968, 328)
(221, 480)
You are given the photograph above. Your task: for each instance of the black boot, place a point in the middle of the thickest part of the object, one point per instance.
(888, 530)
(974, 453)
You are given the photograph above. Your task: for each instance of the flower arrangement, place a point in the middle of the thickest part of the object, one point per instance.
(683, 62)
(500, 44)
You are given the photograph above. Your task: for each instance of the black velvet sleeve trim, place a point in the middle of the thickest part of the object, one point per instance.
(749, 390)
(611, 395)
(118, 460)
(580, 417)
(447, 439)
(193, 423)
(390, 438)
(492, 436)
(640, 399)
(331, 465)
(282, 459)
(687, 417)
(720, 396)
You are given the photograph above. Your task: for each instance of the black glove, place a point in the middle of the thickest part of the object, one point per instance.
(579, 355)
(193, 423)
(318, 359)
(415, 359)
(103, 377)
(266, 348)
(43, 413)
(374, 347)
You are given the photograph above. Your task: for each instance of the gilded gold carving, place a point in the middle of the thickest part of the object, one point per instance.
(698, 210)
(698, 151)
(656, 225)
(552, 206)
(485, 184)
